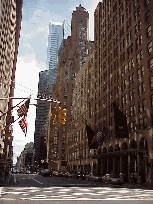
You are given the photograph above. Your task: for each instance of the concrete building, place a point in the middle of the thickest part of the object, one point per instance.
(46, 78)
(123, 74)
(24, 161)
(78, 154)
(10, 24)
(72, 57)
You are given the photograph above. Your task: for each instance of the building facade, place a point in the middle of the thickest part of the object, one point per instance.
(10, 24)
(123, 74)
(78, 154)
(71, 59)
(47, 78)
(55, 38)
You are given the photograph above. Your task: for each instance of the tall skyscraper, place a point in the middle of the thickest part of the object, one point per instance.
(71, 59)
(57, 32)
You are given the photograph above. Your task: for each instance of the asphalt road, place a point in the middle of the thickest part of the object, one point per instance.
(41, 181)
(31, 188)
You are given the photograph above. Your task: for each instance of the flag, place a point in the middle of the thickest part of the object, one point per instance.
(121, 128)
(90, 135)
(105, 132)
(22, 111)
(96, 138)
(23, 124)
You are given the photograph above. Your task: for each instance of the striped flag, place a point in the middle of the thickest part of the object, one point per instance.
(23, 124)
(96, 138)
(22, 111)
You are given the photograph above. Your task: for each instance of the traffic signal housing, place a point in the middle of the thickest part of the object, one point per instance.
(62, 116)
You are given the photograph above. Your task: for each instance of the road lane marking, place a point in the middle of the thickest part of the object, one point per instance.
(36, 180)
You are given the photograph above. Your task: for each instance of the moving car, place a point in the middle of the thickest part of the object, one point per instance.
(61, 174)
(55, 173)
(47, 172)
(81, 175)
(92, 177)
(112, 178)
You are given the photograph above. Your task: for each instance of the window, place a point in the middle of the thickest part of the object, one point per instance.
(136, 28)
(151, 83)
(135, 16)
(133, 93)
(139, 90)
(136, 44)
(138, 74)
(149, 46)
(144, 122)
(141, 54)
(130, 111)
(134, 110)
(140, 40)
(142, 71)
(150, 64)
(139, 25)
(130, 80)
(151, 100)
(132, 63)
(130, 95)
(148, 32)
(137, 58)
(140, 124)
(146, 2)
(138, 11)
(147, 16)
(143, 105)
(143, 87)
(139, 107)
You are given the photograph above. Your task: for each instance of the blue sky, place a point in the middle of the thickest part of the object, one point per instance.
(32, 54)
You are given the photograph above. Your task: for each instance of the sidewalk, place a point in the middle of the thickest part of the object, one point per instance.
(8, 182)
(138, 185)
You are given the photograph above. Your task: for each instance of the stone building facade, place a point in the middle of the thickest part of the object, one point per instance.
(123, 74)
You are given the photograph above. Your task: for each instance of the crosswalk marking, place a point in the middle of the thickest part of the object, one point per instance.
(75, 193)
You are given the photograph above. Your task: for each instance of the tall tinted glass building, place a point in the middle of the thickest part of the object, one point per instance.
(57, 33)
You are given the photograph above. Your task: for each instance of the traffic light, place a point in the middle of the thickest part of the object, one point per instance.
(62, 116)
(54, 114)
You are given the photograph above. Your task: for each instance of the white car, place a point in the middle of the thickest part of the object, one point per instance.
(92, 177)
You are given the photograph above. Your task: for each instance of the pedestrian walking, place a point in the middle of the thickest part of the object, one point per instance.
(139, 179)
(149, 178)
(6, 173)
(142, 178)
(131, 177)
(135, 177)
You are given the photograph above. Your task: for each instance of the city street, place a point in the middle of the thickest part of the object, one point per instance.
(31, 188)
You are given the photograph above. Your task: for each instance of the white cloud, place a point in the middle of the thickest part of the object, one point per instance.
(27, 77)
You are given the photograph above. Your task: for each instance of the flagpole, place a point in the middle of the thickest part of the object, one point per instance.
(86, 121)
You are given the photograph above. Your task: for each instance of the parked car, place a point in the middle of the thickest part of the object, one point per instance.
(55, 173)
(71, 175)
(61, 174)
(112, 178)
(28, 172)
(14, 171)
(92, 177)
(47, 172)
(81, 175)
(66, 174)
